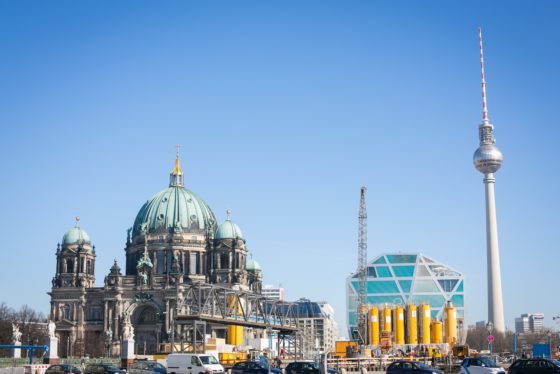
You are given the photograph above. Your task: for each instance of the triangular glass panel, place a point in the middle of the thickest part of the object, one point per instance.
(380, 260)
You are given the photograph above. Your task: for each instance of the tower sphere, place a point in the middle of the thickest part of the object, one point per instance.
(487, 158)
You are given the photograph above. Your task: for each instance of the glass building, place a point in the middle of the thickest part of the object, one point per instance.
(411, 278)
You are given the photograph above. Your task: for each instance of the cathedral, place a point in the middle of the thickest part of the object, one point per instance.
(175, 242)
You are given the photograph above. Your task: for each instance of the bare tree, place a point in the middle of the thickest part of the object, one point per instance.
(31, 324)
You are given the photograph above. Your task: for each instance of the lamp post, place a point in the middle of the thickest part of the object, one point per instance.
(489, 328)
(549, 335)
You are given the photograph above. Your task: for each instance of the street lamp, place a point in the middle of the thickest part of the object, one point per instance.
(489, 328)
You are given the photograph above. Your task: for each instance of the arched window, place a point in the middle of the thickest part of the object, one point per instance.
(66, 312)
(88, 267)
(69, 265)
(224, 260)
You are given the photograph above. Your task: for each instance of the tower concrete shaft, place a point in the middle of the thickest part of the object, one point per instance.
(495, 301)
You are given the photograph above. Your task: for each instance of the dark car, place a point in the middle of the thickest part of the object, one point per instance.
(147, 367)
(253, 367)
(534, 366)
(409, 367)
(62, 369)
(306, 367)
(103, 369)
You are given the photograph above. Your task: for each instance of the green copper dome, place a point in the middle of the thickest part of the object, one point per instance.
(252, 265)
(228, 230)
(174, 208)
(75, 235)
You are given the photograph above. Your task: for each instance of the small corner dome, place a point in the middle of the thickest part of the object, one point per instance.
(252, 265)
(228, 230)
(75, 235)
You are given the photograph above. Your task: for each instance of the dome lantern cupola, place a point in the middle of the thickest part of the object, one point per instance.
(228, 230)
(76, 235)
(176, 178)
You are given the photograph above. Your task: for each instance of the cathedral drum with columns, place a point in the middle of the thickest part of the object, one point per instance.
(175, 241)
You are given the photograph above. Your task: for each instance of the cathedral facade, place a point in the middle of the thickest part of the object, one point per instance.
(175, 241)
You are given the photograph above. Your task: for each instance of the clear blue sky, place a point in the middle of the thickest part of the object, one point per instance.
(283, 110)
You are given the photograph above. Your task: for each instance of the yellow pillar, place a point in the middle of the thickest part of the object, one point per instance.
(437, 332)
(450, 320)
(426, 319)
(399, 325)
(412, 324)
(374, 326)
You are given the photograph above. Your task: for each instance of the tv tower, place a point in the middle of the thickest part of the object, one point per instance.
(488, 159)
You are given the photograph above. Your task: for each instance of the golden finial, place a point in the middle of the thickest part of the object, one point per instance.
(77, 218)
(228, 212)
(177, 169)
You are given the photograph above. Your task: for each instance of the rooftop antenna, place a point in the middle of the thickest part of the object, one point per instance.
(484, 104)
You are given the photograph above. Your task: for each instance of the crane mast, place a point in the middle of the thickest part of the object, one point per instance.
(361, 311)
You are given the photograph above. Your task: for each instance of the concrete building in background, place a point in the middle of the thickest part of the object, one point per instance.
(529, 323)
(272, 292)
(317, 325)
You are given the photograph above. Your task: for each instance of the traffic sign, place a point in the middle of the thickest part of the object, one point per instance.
(490, 338)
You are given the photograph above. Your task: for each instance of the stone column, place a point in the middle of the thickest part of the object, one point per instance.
(17, 351)
(51, 356)
(127, 345)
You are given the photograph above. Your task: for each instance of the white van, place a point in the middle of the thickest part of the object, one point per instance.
(193, 363)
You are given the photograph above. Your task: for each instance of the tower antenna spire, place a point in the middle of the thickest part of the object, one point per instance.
(485, 119)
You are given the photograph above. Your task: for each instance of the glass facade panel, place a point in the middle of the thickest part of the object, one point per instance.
(458, 300)
(380, 260)
(425, 285)
(403, 271)
(376, 300)
(422, 271)
(371, 273)
(384, 272)
(460, 287)
(401, 259)
(352, 318)
(435, 301)
(382, 287)
(405, 285)
(448, 284)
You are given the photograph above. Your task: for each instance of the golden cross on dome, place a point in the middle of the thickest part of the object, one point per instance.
(178, 146)
(228, 212)
(77, 218)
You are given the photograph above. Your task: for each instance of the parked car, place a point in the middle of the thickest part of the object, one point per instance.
(480, 365)
(103, 369)
(306, 367)
(147, 367)
(408, 367)
(534, 366)
(62, 369)
(253, 367)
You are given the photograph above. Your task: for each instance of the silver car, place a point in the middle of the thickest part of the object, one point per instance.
(147, 367)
